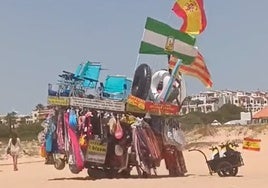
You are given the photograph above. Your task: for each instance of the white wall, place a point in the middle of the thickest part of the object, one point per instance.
(245, 116)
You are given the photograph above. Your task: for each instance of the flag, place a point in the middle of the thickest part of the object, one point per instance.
(193, 14)
(160, 38)
(199, 70)
(251, 144)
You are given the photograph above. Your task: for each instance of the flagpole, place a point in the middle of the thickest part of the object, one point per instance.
(138, 56)
(136, 64)
(169, 15)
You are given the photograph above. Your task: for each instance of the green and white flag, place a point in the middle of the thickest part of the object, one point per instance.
(160, 38)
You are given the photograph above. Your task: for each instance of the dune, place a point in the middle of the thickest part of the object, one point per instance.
(34, 173)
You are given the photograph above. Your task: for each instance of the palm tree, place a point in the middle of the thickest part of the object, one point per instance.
(39, 107)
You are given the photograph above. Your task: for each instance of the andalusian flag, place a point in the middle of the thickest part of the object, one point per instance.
(193, 14)
(160, 38)
(251, 144)
(199, 70)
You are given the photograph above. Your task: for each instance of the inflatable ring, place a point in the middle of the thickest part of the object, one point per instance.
(176, 92)
(158, 77)
(142, 81)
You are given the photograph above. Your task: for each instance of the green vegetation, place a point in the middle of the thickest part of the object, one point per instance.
(226, 113)
(25, 132)
(189, 121)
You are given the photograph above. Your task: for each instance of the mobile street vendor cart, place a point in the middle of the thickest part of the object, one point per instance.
(106, 156)
(108, 133)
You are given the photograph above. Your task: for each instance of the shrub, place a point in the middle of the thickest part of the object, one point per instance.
(25, 132)
(226, 113)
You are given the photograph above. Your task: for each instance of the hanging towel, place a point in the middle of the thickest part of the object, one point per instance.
(72, 118)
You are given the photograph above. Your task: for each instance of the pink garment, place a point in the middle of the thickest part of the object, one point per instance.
(75, 147)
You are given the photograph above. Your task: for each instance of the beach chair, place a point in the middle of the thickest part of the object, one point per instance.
(90, 75)
(85, 77)
(70, 84)
(116, 87)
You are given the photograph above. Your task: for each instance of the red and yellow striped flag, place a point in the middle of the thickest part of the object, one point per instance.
(199, 70)
(193, 14)
(251, 144)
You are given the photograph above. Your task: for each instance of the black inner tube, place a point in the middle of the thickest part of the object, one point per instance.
(142, 81)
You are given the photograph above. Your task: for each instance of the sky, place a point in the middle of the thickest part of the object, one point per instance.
(39, 39)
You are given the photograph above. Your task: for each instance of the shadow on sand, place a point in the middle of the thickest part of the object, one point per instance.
(149, 177)
(25, 162)
(131, 177)
(213, 175)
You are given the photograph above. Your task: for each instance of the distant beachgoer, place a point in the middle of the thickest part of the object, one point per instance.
(14, 148)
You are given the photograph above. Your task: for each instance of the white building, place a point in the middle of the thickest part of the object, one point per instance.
(35, 117)
(210, 101)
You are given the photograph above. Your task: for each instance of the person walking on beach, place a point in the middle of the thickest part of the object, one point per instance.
(13, 148)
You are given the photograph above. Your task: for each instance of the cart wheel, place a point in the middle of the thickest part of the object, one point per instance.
(59, 164)
(110, 173)
(74, 169)
(145, 175)
(234, 171)
(173, 164)
(139, 171)
(125, 174)
(173, 172)
(225, 169)
(96, 173)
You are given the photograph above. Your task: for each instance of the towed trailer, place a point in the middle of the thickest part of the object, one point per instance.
(224, 166)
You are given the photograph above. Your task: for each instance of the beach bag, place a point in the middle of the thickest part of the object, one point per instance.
(72, 118)
(118, 134)
(179, 138)
(43, 152)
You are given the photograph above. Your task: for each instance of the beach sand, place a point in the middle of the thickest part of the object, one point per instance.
(34, 173)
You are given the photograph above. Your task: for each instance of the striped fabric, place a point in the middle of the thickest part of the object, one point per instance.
(199, 70)
(251, 144)
(159, 38)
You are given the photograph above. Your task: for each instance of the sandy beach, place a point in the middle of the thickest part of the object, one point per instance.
(33, 173)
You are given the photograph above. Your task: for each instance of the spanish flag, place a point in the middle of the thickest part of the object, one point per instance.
(193, 14)
(198, 69)
(251, 144)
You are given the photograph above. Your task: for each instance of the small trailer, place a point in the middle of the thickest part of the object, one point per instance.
(226, 165)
